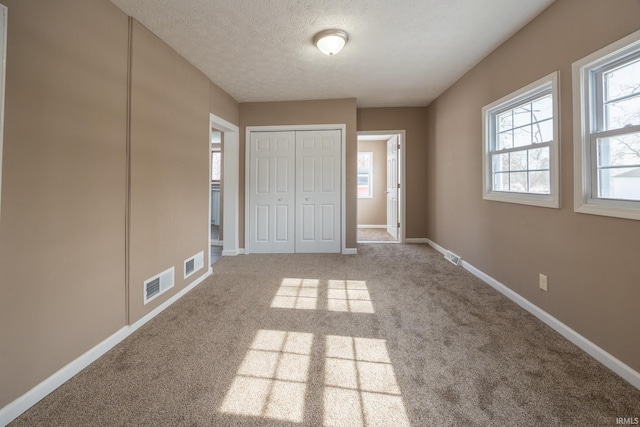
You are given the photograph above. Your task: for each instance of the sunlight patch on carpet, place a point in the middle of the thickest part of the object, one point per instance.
(350, 296)
(272, 379)
(345, 296)
(360, 384)
(301, 294)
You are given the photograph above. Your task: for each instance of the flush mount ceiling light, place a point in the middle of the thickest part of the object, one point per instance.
(330, 42)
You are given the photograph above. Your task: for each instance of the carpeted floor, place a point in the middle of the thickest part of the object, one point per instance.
(374, 235)
(395, 336)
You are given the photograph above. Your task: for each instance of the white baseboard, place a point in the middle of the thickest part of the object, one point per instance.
(239, 251)
(616, 365)
(14, 409)
(416, 240)
(372, 226)
(350, 251)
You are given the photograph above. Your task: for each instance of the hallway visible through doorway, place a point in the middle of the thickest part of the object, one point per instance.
(380, 187)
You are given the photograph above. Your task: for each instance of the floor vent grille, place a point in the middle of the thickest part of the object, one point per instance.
(452, 258)
(193, 264)
(158, 284)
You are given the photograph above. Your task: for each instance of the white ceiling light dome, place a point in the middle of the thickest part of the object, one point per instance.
(330, 42)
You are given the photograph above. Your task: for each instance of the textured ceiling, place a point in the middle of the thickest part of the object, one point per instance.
(400, 52)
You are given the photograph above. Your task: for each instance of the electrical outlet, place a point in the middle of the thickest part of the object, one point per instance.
(543, 282)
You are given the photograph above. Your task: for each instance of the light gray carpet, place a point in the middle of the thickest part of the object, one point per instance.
(392, 336)
(374, 235)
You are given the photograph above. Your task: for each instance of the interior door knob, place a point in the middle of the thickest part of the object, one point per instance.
(306, 198)
(279, 199)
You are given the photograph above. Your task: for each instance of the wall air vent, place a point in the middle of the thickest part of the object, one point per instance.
(452, 258)
(189, 267)
(158, 284)
(193, 264)
(152, 288)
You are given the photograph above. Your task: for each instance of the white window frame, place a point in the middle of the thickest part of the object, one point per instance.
(585, 130)
(370, 172)
(3, 66)
(547, 84)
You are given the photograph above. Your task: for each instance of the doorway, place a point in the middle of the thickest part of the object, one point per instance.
(380, 189)
(216, 162)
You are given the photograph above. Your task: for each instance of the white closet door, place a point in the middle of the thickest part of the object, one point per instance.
(272, 192)
(318, 191)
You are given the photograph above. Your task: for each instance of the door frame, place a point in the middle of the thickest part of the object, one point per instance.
(288, 128)
(402, 162)
(231, 182)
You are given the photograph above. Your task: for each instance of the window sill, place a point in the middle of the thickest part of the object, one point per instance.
(523, 199)
(611, 211)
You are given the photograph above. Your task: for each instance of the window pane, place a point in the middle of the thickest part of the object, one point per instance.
(215, 166)
(539, 158)
(501, 162)
(540, 182)
(622, 113)
(623, 81)
(542, 108)
(543, 131)
(364, 160)
(621, 150)
(505, 140)
(522, 115)
(522, 136)
(619, 183)
(504, 121)
(365, 171)
(518, 182)
(518, 161)
(501, 182)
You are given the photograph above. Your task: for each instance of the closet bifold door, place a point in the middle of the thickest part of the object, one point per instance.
(272, 192)
(318, 189)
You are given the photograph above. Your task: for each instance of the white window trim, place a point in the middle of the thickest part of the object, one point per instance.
(3, 66)
(370, 155)
(582, 94)
(551, 200)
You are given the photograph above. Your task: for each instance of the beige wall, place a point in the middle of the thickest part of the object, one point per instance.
(412, 120)
(373, 211)
(170, 182)
(591, 261)
(62, 229)
(334, 111)
(64, 196)
(223, 105)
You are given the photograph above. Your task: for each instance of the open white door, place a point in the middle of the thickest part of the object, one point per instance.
(392, 186)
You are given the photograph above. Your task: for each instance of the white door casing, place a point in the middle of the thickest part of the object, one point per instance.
(318, 191)
(392, 186)
(231, 168)
(272, 192)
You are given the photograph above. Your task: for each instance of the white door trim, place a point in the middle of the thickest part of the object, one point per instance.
(249, 129)
(231, 182)
(402, 161)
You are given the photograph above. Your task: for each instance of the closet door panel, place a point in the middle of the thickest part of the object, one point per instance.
(272, 192)
(318, 198)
